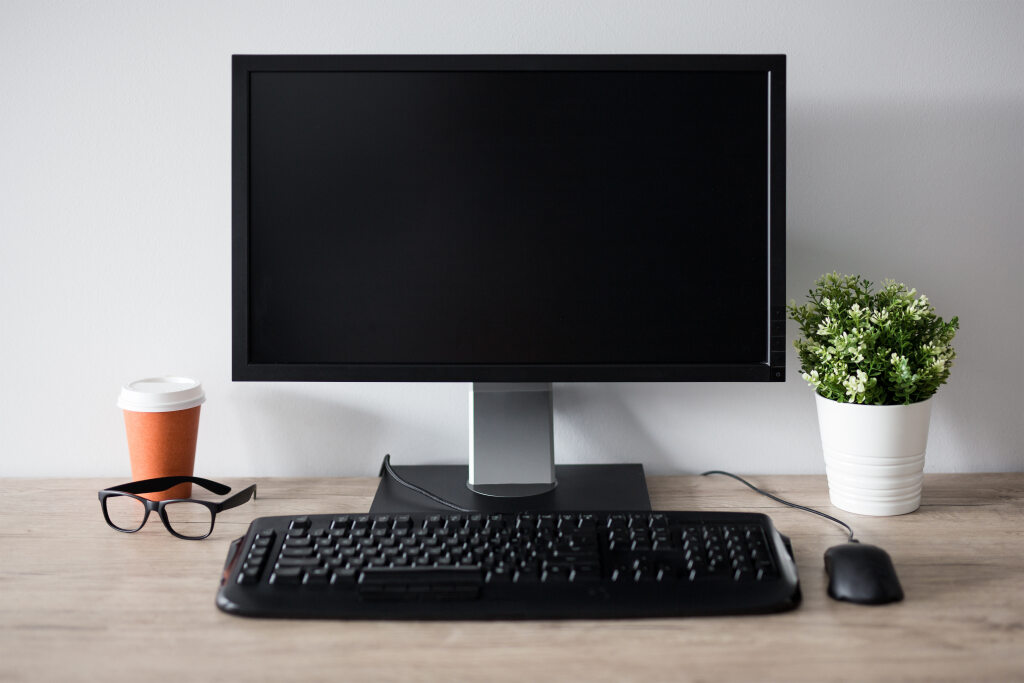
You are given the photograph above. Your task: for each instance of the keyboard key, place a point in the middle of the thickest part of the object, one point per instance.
(298, 562)
(320, 576)
(249, 576)
(287, 576)
(743, 574)
(697, 573)
(344, 576)
(640, 545)
(585, 574)
(639, 521)
(618, 518)
(470, 575)
(621, 574)
(555, 574)
(499, 575)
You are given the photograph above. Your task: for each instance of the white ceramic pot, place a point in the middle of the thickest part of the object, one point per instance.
(874, 455)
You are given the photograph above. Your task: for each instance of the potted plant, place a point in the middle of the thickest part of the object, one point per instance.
(875, 359)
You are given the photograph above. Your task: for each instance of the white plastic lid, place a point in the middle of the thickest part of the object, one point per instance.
(161, 395)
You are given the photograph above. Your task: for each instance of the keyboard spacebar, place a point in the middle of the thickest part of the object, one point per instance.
(373, 577)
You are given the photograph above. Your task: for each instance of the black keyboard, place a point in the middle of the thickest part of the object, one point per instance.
(509, 566)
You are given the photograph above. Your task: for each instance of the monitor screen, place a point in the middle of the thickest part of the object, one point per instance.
(473, 218)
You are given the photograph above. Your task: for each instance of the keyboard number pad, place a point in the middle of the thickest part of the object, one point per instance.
(739, 552)
(747, 553)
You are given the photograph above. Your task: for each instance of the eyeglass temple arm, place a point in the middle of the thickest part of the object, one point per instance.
(162, 483)
(239, 498)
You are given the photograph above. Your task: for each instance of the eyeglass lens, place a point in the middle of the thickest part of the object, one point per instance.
(125, 512)
(189, 519)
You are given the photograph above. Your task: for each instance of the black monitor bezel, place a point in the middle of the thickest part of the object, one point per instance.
(242, 369)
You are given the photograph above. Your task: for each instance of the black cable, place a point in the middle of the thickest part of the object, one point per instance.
(784, 502)
(447, 503)
(422, 491)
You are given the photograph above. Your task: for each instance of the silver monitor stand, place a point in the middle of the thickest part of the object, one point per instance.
(511, 439)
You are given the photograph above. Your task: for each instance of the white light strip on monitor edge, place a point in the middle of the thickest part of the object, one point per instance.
(769, 217)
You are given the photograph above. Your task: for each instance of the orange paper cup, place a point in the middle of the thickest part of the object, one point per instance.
(161, 419)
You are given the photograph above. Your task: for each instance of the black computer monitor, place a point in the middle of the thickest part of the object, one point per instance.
(510, 221)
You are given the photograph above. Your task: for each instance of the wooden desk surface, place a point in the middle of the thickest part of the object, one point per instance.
(79, 601)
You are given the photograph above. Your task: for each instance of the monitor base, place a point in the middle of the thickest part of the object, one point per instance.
(580, 487)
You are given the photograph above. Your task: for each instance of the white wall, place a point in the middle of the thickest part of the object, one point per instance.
(906, 159)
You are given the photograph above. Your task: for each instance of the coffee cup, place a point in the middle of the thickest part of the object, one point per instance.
(161, 419)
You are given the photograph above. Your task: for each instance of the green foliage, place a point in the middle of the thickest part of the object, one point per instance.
(881, 348)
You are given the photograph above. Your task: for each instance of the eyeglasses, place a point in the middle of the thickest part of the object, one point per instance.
(186, 518)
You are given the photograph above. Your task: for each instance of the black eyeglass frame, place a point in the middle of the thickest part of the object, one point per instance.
(164, 483)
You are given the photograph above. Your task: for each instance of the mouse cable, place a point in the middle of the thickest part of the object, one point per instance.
(784, 502)
(418, 489)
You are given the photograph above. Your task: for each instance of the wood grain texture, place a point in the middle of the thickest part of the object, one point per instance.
(79, 601)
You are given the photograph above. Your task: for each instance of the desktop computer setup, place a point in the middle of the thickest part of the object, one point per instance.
(513, 222)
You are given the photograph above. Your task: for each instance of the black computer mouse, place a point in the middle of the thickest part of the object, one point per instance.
(861, 573)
